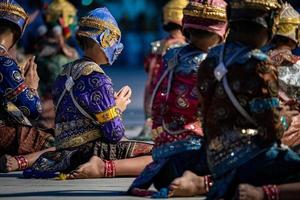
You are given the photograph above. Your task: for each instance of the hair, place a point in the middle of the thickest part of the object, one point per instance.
(245, 27)
(248, 32)
(199, 33)
(171, 27)
(278, 39)
(86, 42)
(7, 26)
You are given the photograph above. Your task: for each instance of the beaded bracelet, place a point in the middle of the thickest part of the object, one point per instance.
(22, 162)
(271, 192)
(109, 169)
(208, 182)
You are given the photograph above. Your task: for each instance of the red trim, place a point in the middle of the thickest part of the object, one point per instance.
(109, 169)
(21, 88)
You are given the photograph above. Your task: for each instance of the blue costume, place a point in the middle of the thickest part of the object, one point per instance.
(12, 86)
(17, 101)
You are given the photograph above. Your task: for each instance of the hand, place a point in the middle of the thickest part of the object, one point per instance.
(30, 74)
(123, 98)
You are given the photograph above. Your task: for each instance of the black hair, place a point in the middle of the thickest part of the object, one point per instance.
(278, 39)
(85, 42)
(171, 27)
(245, 27)
(199, 33)
(6, 25)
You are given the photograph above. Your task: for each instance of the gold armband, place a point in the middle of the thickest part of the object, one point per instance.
(108, 115)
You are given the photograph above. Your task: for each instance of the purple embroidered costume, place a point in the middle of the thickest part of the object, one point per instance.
(87, 120)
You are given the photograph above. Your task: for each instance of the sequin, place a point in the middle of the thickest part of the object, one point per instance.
(17, 76)
(182, 102)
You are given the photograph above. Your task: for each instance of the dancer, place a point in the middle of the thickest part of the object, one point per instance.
(241, 111)
(89, 129)
(172, 23)
(176, 130)
(20, 144)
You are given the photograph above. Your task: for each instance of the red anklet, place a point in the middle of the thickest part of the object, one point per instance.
(109, 169)
(208, 182)
(271, 192)
(22, 162)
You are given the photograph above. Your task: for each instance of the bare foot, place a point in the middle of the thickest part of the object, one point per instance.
(94, 168)
(188, 185)
(8, 164)
(249, 192)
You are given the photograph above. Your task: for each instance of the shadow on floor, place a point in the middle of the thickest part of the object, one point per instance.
(8, 175)
(66, 193)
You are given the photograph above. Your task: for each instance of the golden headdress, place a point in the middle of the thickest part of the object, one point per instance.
(255, 4)
(61, 9)
(289, 23)
(173, 11)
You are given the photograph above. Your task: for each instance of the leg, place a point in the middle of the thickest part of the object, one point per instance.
(9, 163)
(96, 168)
(132, 166)
(289, 191)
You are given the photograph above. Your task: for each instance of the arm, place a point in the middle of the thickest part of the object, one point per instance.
(266, 108)
(17, 92)
(103, 107)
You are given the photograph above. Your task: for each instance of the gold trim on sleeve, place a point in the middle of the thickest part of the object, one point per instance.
(108, 115)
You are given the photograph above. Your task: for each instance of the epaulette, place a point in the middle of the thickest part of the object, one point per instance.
(89, 68)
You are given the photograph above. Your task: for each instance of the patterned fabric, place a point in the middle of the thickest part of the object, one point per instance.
(289, 82)
(94, 93)
(176, 129)
(69, 159)
(227, 144)
(21, 140)
(233, 142)
(100, 26)
(153, 63)
(288, 71)
(177, 108)
(14, 90)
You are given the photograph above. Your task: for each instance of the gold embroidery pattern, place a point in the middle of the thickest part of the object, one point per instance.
(156, 132)
(14, 9)
(256, 4)
(108, 115)
(78, 140)
(206, 11)
(108, 39)
(90, 69)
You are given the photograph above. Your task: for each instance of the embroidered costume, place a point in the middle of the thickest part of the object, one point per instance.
(176, 130)
(87, 120)
(289, 71)
(172, 14)
(241, 115)
(17, 102)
